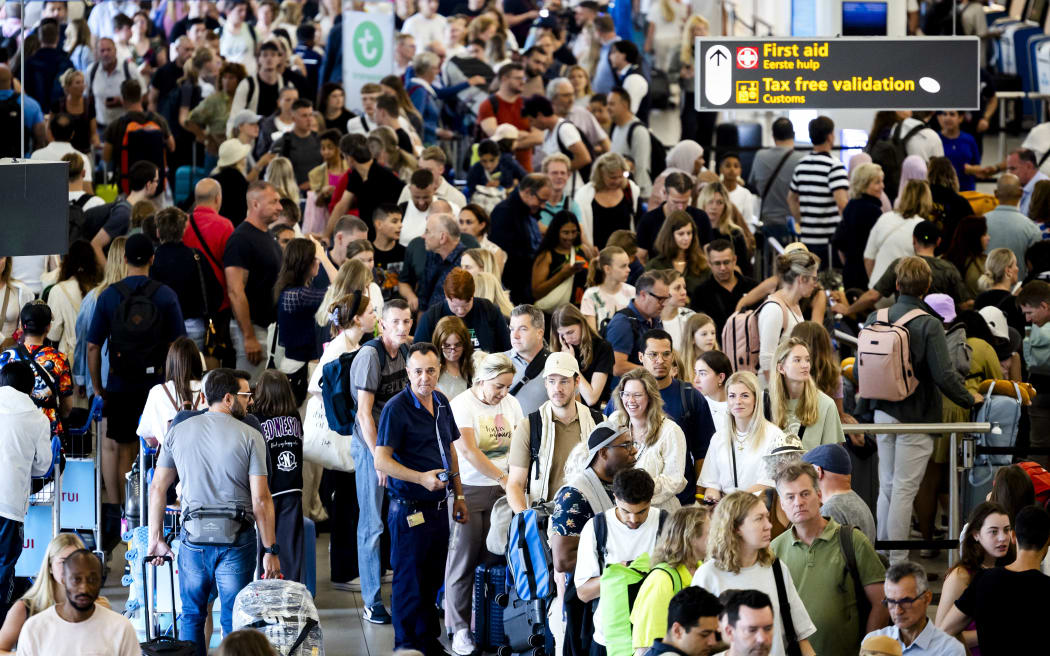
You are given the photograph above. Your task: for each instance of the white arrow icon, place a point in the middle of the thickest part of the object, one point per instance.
(718, 75)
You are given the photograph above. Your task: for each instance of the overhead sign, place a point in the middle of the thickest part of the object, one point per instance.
(844, 73)
(368, 49)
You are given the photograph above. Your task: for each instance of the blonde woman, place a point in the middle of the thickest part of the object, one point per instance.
(486, 415)
(678, 554)
(383, 144)
(74, 101)
(1000, 273)
(664, 35)
(476, 260)
(352, 276)
(661, 443)
(726, 223)
(282, 176)
(699, 336)
(609, 202)
(797, 273)
(866, 184)
(734, 459)
(115, 271)
(489, 287)
(47, 590)
(891, 236)
(798, 406)
(739, 558)
(581, 85)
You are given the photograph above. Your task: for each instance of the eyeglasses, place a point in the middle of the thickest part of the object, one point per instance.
(660, 299)
(636, 396)
(244, 394)
(902, 603)
(630, 446)
(451, 347)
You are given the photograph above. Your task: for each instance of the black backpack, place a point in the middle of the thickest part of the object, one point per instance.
(11, 126)
(890, 154)
(585, 172)
(657, 151)
(78, 224)
(137, 341)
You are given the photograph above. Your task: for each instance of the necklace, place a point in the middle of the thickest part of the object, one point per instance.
(740, 439)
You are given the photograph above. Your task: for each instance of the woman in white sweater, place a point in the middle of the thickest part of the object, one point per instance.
(660, 441)
(797, 272)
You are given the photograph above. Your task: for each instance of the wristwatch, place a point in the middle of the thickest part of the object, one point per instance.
(273, 549)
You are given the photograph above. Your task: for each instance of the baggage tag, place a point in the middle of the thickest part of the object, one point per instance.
(415, 519)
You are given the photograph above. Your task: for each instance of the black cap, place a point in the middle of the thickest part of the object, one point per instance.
(602, 435)
(926, 233)
(138, 250)
(36, 317)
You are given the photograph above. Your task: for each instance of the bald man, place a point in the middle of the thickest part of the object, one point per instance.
(1008, 227)
(207, 231)
(36, 131)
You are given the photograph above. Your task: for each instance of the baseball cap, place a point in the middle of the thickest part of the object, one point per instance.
(601, 437)
(138, 249)
(35, 316)
(881, 645)
(943, 305)
(831, 458)
(505, 131)
(926, 233)
(562, 364)
(787, 443)
(243, 117)
(996, 321)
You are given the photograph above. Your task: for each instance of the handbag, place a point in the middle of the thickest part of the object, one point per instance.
(217, 347)
(211, 360)
(10, 340)
(557, 297)
(315, 216)
(321, 444)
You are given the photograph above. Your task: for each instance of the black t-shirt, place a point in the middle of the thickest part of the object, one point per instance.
(1010, 610)
(716, 301)
(602, 359)
(256, 251)
(339, 122)
(284, 452)
(388, 264)
(382, 187)
(303, 152)
(404, 142)
(166, 77)
(193, 280)
(268, 93)
(1003, 300)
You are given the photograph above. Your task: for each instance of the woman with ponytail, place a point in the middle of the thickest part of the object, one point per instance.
(607, 289)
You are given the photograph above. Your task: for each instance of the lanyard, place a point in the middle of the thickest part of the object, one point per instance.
(437, 431)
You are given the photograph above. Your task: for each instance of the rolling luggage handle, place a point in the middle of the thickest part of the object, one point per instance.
(148, 607)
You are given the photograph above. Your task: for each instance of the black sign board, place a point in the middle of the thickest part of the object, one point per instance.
(839, 73)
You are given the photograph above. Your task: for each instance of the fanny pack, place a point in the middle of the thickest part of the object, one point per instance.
(214, 525)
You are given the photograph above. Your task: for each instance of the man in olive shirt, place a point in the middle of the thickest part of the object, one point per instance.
(813, 554)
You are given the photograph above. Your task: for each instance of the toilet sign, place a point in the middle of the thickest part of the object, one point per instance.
(928, 73)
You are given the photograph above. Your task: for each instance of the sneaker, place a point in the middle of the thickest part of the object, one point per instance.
(463, 643)
(376, 615)
(348, 586)
(388, 576)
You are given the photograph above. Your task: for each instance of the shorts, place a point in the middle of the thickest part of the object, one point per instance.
(123, 410)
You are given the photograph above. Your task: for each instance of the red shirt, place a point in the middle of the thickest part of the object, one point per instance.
(510, 112)
(216, 230)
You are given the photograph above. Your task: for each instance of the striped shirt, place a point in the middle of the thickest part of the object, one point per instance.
(815, 179)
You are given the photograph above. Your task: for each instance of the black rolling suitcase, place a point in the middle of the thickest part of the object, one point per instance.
(490, 589)
(163, 645)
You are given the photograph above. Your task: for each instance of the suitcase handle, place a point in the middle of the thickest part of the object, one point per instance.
(146, 560)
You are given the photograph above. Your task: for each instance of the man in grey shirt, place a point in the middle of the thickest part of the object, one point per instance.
(770, 177)
(220, 461)
(527, 352)
(840, 502)
(1007, 226)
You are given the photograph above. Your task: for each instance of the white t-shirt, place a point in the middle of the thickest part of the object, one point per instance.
(1038, 141)
(719, 411)
(676, 327)
(889, 239)
(415, 222)
(601, 305)
(54, 151)
(425, 30)
(570, 136)
(492, 425)
(159, 411)
(94, 201)
(925, 143)
(716, 581)
(238, 46)
(772, 329)
(744, 201)
(104, 633)
(717, 471)
(624, 545)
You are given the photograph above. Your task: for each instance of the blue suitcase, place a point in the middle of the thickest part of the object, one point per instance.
(490, 588)
(186, 178)
(310, 555)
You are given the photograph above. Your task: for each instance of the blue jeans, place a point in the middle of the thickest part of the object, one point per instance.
(418, 554)
(369, 523)
(11, 536)
(202, 569)
(195, 331)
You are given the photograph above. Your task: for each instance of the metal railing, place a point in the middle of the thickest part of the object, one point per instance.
(1001, 110)
(956, 469)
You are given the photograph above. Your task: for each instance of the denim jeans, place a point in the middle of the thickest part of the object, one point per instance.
(195, 331)
(202, 569)
(902, 464)
(369, 523)
(11, 536)
(237, 337)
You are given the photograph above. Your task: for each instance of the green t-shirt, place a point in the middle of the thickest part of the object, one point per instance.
(823, 582)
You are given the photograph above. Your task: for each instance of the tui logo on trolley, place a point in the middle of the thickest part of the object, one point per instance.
(841, 73)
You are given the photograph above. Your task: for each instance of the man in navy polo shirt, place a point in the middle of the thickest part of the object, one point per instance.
(414, 450)
(627, 327)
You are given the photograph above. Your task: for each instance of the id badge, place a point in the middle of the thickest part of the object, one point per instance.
(415, 519)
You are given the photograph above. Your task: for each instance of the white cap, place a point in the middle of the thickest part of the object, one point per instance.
(562, 364)
(505, 131)
(996, 321)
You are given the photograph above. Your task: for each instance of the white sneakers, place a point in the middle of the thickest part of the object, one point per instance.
(463, 642)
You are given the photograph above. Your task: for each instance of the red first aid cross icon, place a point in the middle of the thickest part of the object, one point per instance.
(746, 58)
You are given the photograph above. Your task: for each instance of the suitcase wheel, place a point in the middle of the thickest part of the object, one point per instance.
(502, 599)
(539, 652)
(536, 640)
(503, 651)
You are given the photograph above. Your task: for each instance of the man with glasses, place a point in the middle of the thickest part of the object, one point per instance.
(813, 552)
(225, 502)
(908, 597)
(718, 295)
(610, 450)
(627, 327)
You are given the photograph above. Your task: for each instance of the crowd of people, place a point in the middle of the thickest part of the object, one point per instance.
(493, 289)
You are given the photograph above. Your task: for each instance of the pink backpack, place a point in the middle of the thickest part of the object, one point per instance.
(740, 340)
(884, 368)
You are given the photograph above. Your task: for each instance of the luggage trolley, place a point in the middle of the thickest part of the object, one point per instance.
(82, 497)
(44, 516)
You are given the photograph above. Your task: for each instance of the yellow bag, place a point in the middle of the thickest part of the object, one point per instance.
(107, 192)
(980, 203)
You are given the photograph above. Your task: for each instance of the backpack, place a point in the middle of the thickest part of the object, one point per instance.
(740, 340)
(959, 350)
(78, 225)
(1040, 481)
(530, 565)
(536, 439)
(890, 154)
(11, 125)
(850, 554)
(659, 89)
(585, 172)
(142, 142)
(884, 368)
(657, 151)
(97, 217)
(637, 326)
(1004, 412)
(340, 406)
(138, 342)
(620, 585)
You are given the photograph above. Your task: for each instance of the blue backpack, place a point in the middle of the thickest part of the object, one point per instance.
(1004, 412)
(529, 561)
(340, 405)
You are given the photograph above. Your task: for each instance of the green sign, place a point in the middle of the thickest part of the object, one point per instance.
(368, 44)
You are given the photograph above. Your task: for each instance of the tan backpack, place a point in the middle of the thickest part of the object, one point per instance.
(884, 367)
(740, 340)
